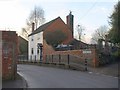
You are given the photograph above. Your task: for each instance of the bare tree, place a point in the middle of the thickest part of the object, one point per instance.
(99, 34)
(80, 30)
(36, 16)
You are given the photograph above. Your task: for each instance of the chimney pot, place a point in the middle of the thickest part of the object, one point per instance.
(70, 21)
(33, 25)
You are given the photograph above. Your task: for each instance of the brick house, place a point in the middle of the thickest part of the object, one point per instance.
(9, 49)
(37, 36)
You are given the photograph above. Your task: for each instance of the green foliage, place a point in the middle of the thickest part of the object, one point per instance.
(23, 46)
(115, 23)
(54, 38)
(116, 54)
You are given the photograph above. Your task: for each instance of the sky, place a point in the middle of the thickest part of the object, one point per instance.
(89, 13)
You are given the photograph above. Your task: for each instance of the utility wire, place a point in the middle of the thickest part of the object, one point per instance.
(85, 14)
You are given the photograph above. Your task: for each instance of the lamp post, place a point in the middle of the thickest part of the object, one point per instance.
(86, 65)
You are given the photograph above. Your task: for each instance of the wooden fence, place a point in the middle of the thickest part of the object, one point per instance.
(66, 60)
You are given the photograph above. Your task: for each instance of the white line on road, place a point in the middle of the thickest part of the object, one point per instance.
(102, 74)
(20, 74)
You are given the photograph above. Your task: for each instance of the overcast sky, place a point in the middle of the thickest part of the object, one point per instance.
(89, 13)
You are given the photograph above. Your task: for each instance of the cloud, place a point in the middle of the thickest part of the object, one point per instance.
(99, 9)
(12, 15)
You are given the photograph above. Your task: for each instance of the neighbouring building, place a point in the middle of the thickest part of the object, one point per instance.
(23, 45)
(9, 49)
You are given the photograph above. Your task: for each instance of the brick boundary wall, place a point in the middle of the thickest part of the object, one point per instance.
(92, 57)
(9, 54)
(77, 55)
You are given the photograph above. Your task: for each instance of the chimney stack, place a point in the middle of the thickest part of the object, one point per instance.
(70, 22)
(33, 26)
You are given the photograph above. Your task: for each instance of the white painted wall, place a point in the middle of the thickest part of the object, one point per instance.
(37, 38)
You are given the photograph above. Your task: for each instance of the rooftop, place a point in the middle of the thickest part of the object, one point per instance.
(43, 27)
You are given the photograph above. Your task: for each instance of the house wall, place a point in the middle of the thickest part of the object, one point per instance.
(56, 25)
(37, 38)
(9, 54)
(60, 25)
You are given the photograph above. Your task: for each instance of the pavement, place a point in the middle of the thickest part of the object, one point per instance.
(19, 82)
(108, 69)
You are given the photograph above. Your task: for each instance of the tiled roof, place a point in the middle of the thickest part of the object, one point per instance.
(75, 41)
(43, 27)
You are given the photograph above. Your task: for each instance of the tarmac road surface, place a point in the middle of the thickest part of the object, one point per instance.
(49, 77)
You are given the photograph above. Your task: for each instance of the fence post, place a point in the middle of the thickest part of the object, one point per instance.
(86, 65)
(31, 58)
(26, 58)
(35, 58)
(46, 59)
(68, 59)
(23, 58)
(59, 58)
(52, 58)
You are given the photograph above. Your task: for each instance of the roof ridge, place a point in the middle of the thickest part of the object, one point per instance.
(48, 22)
(40, 28)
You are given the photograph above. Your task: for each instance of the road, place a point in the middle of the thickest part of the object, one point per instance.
(48, 77)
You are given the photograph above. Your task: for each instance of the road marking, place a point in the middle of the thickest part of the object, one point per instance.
(97, 73)
(109, 76)
(90, 72)
(102, 74)
(20, 74)
(26, 84)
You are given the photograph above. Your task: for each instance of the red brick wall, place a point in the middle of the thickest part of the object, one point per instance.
(93, 57)
(60, 25)
(9, 54)
(48, 50)
(56, 25)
